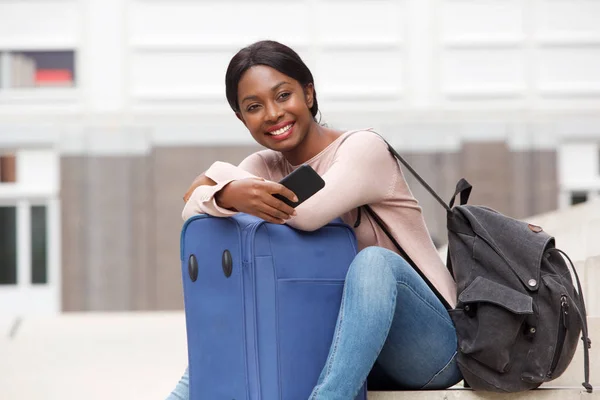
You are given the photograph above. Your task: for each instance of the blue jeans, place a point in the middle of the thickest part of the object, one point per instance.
(391, 328)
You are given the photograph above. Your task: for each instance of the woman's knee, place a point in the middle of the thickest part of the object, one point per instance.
(375, 255)
(371, 288)
(370, 269)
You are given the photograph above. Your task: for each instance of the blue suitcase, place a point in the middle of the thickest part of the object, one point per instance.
(261, 303)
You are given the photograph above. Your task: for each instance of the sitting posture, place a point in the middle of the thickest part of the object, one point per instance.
(392, 327)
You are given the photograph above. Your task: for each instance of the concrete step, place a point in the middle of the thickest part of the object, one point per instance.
(566, 387)
(93, 356)
(142, 356)
(466, 394)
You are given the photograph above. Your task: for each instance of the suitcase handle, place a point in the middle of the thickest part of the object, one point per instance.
(227, 263)
(193, 267)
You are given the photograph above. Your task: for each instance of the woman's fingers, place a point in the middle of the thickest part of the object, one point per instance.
(285, 211)
(270, 218)
(255, 197)
(275, 212)
(278, 188)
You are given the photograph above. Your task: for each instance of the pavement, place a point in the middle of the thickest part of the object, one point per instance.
(140, 355)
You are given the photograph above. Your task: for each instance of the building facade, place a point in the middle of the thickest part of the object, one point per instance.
(109, 109)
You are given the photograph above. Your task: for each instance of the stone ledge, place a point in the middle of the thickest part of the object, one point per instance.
(467, 394)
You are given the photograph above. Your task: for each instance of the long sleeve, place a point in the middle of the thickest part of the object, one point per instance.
(202, 200)
(363, 172)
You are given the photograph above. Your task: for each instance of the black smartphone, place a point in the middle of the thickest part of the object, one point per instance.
(304, 182)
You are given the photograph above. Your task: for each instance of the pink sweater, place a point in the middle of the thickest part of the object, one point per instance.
(357, 169)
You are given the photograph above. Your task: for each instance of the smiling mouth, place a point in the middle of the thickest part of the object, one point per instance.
(281, 131)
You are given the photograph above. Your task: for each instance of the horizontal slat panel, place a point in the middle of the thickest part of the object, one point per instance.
(378, 21)
(225, 23)
(497, 73)
(492, 19)
(182, 73)
(569, 67)
(567, 18)
(49, 23)
(360, 73)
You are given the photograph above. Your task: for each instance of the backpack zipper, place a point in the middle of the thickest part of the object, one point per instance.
(562, 332)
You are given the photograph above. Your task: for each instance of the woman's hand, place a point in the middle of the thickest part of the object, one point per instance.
(254, 196)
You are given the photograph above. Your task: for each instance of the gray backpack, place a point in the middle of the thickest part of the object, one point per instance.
(518, 316)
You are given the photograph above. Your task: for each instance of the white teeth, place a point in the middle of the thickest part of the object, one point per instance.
(282, 130)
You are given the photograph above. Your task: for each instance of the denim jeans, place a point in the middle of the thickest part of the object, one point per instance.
(391, 328)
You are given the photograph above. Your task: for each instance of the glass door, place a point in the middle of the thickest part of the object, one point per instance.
(29, 272)
(29, 233)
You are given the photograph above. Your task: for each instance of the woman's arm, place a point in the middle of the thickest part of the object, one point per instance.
(226, 189)
(201, 180)
(364, 172)
(201, 193)
(253, 165)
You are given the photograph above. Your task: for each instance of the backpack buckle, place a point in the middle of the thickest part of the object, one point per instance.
(588, 342)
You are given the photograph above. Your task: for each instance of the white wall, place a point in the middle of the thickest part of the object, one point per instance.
(524, 71)
(579, 164)
(399, 55)
(139, 56)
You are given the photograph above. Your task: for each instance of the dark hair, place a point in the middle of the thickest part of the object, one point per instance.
(274, 55)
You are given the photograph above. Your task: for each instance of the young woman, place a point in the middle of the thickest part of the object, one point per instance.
(392, 328)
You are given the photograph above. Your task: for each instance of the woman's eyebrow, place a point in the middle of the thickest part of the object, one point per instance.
(274, 88)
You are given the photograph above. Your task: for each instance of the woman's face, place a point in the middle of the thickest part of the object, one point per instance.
(275, 108)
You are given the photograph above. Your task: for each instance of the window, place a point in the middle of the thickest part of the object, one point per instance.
(39, 250)
(29, 230)
(8, 245)
(37, 69)
(578, 197)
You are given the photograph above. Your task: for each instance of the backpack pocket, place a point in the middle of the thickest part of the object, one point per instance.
(488, 318)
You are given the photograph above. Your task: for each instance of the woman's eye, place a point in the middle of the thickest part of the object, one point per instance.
(252, 107)
(284, 95)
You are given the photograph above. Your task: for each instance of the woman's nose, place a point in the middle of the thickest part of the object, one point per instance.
(274, 112)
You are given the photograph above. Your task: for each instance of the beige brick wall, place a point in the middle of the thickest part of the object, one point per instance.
(121, 218)
(121, 215)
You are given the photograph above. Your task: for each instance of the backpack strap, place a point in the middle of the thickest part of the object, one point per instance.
(416, 175)
(381, 224)
(463, 188)
(587, 343)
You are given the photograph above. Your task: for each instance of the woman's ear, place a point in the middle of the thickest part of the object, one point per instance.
(309, 94)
